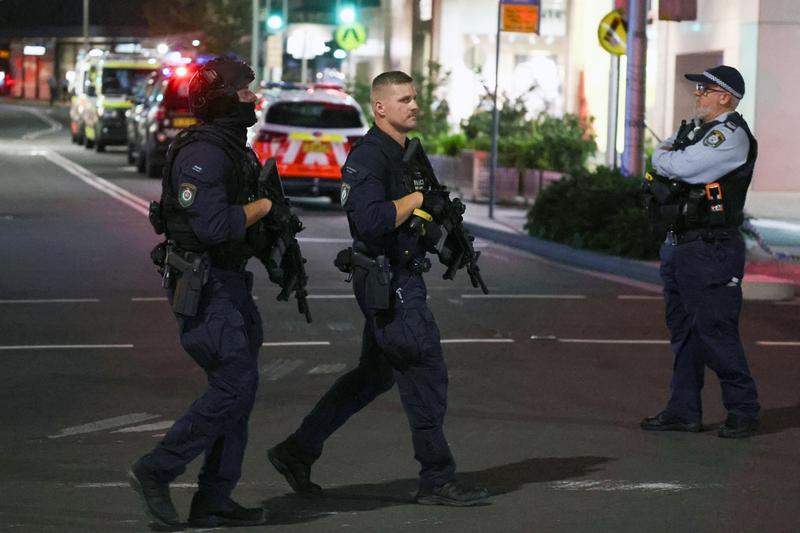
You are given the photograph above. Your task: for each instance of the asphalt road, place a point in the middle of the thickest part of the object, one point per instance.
(549, 378)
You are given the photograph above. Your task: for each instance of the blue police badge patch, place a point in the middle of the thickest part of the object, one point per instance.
(345, 193)
(186, 194)
(714, 139)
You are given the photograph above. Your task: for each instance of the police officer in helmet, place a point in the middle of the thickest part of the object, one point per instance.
(703, 174)
(205, 210)
(400, 342)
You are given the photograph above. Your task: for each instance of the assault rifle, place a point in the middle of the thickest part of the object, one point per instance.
(274, 240)
(454, 247)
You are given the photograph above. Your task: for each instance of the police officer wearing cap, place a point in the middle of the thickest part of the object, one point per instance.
(400, 341)
(703, 172)
(205, 210)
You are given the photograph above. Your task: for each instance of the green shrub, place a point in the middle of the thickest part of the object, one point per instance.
(601, 211)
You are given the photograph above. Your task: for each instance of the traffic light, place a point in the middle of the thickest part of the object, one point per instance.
(347, 14)
(274, 22)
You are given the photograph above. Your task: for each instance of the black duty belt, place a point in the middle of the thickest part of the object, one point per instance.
(707, 234)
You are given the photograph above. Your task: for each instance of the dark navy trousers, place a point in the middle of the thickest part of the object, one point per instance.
(224, 339)
(703, 297)
(406, 330)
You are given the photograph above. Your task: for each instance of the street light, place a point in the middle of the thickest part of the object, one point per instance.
(195, 43)
(162, 48)
(275, 22)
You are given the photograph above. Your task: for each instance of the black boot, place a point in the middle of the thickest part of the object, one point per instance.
(296, 470)
(664, 421)
(154, 495)
(738, 427)
(451, 493)
(208, 512)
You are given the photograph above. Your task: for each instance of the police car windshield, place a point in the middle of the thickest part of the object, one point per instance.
(122, 80)
(314, 115)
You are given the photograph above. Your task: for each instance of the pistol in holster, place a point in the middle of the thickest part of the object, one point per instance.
(379, 276)
(192, 270)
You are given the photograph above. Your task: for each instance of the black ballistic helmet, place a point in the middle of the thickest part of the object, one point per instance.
(212, 89)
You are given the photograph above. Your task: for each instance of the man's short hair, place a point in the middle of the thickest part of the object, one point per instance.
(393, 77)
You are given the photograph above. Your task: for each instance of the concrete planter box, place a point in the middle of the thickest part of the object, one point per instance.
(468, 174)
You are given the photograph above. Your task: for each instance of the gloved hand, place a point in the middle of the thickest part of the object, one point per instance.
(279, 214)
(433, 202)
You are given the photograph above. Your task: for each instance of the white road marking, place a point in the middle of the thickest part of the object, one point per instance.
(155, 426)
(610, 485)
(53, 125)
(66, 346)
(611, 341)
(328, 369)
(53, 301)
(331, 296)
(297, 343)
(524, 296)
(150, 299)
(476, 341)
(179, 485)
(324, 240)
(107, 423)
(128, 198)
(280, 368)
(778, 343)
(639, 297)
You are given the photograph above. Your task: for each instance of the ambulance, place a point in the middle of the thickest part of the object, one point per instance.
(101, 89)
(309, 133)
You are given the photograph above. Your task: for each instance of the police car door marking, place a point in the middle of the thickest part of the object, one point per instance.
(316, 158)
(186, 194)
(714, 139)
(339, 153)
(290, 155)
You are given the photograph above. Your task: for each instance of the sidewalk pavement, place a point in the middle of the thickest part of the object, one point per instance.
(776, 216)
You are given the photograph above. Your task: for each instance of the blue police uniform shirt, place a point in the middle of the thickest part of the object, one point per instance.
(203, 167)
(723, 149)
(365, 188)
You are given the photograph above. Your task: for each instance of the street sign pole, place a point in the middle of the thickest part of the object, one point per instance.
(613, 112)
(86, 26)
(633, 155)
(495, 118)
(254, 41)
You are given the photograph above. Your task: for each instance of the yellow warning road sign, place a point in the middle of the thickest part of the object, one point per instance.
(351, 36)
(613, 33)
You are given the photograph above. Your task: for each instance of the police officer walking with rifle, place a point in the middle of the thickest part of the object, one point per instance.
(698, 195)
(396, 212)
(216, 213)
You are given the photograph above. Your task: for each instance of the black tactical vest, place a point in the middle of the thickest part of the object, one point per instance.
(402, 180)
(240, 186)
(688, 206)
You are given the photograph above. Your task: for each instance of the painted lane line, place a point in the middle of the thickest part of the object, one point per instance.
(476, 341)
(610, 485)
(107, 423)
(525, 296)
(639, 297)
(778, 343)
(331, 296)
(65, 346)
(180, 485)
(53, 125)
(297, 343)
(155, 426)
(150, 299)
(280, 368)
(324, 240)
(131, 200)
(53, 301)
(610, 341)
(328, 369)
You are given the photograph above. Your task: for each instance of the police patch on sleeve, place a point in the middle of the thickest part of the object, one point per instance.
(714, 139)
(345, 193)
(186, 194)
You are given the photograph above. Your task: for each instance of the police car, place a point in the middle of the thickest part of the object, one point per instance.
(162, 113)
(309, 133)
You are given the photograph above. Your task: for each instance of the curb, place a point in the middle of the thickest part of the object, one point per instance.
(629, 268)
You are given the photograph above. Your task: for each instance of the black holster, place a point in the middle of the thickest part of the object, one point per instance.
(192, 276)
(379, 276)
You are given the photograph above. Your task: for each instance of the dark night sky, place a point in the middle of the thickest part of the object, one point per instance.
(41, 13)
